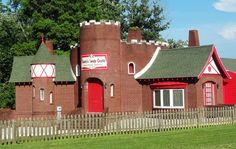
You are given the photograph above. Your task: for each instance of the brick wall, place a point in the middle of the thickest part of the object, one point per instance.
(23, 100)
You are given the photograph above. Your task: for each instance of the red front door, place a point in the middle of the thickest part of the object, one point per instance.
(95, 95)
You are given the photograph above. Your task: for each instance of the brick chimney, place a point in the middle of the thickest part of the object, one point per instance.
(134, 33)
(49, 45)
(193, 39)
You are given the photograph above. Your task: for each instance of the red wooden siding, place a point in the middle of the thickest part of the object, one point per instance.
(230, 89)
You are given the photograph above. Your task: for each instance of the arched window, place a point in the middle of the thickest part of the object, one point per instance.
(112, 89)
(209, 91)
(131, 68)
(33, 92)
(51, 98)
(41, 94)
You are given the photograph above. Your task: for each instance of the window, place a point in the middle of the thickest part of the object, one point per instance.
(51, 98)
(112, 87)
(33, 92)
(131, 68)
(41, 94)
(168, 98)
(209, 93)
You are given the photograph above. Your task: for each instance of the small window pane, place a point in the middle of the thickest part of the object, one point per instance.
(166, 98)
(157, 98)
(178, 97)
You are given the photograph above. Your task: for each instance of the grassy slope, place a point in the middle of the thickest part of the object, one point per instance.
(207, 138)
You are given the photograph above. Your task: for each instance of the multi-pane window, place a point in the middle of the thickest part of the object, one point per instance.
(131, 68)
(168, 98)
(209, 93)
(41, 94)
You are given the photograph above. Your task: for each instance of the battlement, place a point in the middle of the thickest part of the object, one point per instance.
(102, 22)
(74, 46)
(150, 42)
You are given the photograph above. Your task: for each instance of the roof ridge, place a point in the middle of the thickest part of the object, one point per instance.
(184, 48)
(228, 58)
(23, 56)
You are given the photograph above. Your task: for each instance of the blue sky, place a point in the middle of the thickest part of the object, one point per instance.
(215, 21)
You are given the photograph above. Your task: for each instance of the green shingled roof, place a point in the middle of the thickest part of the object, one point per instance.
(175, 63)
(22, 66)
(42, 56)
(230, 64)
(21, 69)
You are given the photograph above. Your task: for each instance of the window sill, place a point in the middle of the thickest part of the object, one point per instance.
(168, 107)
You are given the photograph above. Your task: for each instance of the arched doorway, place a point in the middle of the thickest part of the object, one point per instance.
(95, 95)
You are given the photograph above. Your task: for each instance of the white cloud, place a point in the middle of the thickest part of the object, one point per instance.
(228, 32)
(226, 5)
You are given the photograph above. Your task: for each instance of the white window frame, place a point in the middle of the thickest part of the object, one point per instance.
(134, 68)
(51, 97)
(41, 94)
(171, 99)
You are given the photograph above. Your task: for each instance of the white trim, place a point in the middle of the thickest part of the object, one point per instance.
(73, 74)
(77, 70)
(170, 97)
(134, 41)
(141, 72)
(134, 68)
(213, 68)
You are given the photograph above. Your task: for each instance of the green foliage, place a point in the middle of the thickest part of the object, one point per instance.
(59, 20)
(61, 52)
(177, 43)
(7, 95)
(145, 15)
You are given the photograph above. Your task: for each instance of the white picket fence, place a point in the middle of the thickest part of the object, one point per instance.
(92, 125)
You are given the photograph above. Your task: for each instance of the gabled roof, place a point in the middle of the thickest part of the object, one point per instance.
(22, 66)
(180, 63)
(229, 63)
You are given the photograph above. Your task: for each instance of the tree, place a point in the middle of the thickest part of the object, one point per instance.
(60, 19)
(177, 43)
(148, 17)
(7, 95)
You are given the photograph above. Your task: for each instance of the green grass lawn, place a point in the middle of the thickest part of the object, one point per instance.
(217, 137)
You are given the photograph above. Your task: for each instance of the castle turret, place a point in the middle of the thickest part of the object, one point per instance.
(100, 65)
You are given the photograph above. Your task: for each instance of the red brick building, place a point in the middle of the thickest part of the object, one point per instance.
(107, 74)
